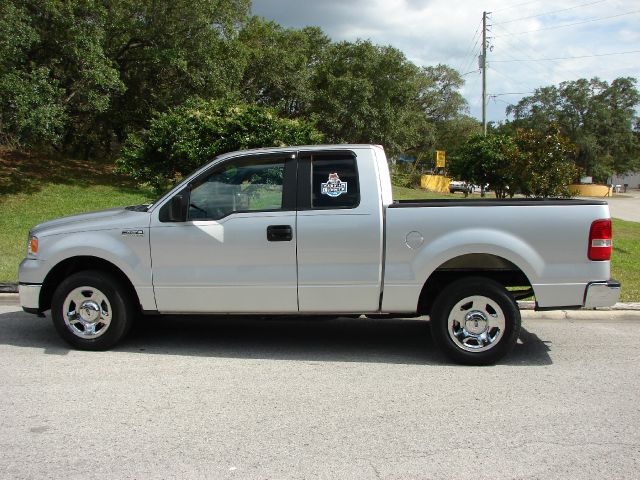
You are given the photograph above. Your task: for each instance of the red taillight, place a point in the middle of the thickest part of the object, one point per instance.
(600, 240)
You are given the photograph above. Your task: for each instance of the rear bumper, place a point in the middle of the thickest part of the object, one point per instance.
(602, 294)
(30, 297)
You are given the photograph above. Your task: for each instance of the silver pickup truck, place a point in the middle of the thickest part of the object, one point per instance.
(315, 231)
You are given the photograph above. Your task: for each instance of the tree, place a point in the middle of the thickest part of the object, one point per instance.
(184, 138)
(439, 93)
(278, 65)
(97, 70)
(364, 93)
(596, 116)
(444, 108)
(54, 71)
(546, 166)
(488, 160)
(167, 52)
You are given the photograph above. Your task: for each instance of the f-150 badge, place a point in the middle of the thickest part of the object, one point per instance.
(334, 187)
(133, 233)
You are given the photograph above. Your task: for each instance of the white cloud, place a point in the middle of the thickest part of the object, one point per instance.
(442, 31)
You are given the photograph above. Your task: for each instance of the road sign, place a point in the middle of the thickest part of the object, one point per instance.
(440, 158)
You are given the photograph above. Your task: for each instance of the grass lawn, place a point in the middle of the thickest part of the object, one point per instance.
(35, 188)
(625, 262)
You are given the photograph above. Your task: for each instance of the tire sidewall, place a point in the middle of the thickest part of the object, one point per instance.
(455, 292)
(120, 306)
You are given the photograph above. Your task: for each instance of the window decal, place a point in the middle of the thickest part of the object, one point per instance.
(334, 187)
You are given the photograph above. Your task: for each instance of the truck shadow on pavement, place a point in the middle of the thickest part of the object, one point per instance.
(394, 341)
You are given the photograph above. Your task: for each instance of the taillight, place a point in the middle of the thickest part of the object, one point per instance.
(600, 240)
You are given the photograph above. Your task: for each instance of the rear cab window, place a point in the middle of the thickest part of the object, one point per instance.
(334, 181)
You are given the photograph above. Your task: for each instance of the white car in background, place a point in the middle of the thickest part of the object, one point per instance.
(460, 186)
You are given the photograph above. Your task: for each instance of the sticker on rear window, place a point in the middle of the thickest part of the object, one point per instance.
(334, 187)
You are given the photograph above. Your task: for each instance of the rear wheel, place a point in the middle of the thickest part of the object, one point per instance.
(91, 310)
(475, 321)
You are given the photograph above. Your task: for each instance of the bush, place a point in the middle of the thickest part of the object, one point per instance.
(405, 175)
(547, 163)
(184, 138)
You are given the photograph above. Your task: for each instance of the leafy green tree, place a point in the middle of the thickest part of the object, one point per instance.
(51, 53)
(488, 160)
(184, 138)
(167, 52)
(596, 116)
(546, 166)
(439, 93)
(365, 93)
(444, 107)
(105, 67)
(31, 108)
(279, 65)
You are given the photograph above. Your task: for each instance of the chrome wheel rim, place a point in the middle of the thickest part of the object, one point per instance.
(476, 323)
(87, 312)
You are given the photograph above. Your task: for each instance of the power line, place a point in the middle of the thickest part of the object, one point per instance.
(565, 58)
(509, 93)
(568, 24)
(516, 5)
(550, 12)
(517, 44)
(470, 50)
(512, 82)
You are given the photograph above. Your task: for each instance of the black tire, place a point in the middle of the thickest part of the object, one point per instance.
(491, 300)
(117, 306)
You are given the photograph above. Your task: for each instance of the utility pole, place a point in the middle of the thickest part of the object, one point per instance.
(483, 66)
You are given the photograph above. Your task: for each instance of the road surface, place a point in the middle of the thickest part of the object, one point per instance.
(248, 399)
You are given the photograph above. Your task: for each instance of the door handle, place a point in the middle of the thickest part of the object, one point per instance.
(279, 233)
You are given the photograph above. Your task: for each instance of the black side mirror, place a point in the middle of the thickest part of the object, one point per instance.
(178, 208)
(175, 210)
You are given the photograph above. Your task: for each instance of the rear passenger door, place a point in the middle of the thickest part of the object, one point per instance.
(339, 228)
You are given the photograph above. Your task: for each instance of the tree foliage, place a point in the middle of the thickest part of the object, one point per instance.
(279, 63)
(184, 138)
(599, 118)
(82, 75)
(488, 160)
(104, 67)
(533, 163)
(546, 165)
(364, 93)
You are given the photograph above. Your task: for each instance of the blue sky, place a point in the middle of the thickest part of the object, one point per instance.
(525, 36)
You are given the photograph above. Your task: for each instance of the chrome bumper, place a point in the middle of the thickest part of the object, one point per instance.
(30, 296)
(602, 294)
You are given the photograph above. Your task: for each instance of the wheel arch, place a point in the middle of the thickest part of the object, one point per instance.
(76, 264)
(486, 265)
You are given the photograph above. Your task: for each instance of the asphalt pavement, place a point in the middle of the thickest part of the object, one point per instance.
(236, 398)
(625, 206)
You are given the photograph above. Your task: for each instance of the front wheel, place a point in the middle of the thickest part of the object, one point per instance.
(475, 321)
(91, 310)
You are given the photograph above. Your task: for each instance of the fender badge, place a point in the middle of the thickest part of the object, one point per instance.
(334, 187)
(133, 233)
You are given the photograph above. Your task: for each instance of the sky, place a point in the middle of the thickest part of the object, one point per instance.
(532, 43)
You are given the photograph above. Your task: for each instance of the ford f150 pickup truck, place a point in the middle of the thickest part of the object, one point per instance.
(314, 231)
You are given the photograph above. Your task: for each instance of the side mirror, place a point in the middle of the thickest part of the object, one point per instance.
(177, 208)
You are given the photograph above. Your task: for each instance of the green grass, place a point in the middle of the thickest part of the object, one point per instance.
(625, 262)
(35, 188)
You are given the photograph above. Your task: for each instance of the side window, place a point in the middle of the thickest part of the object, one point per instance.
(334, 182)
(241, 185)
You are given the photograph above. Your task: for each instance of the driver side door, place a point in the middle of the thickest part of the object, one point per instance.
(235, 250)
